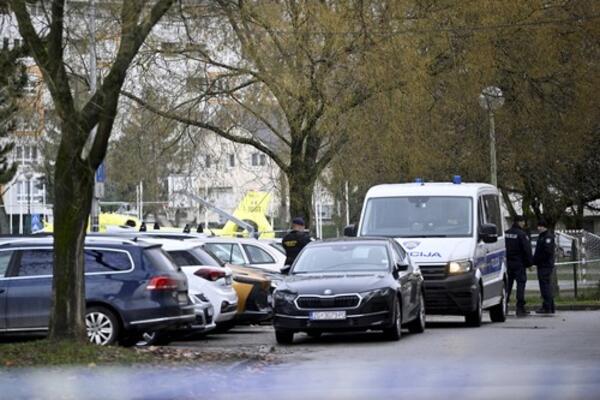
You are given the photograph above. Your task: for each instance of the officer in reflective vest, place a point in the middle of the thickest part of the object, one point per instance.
(518, 259)
(543, 258)
(295, 240)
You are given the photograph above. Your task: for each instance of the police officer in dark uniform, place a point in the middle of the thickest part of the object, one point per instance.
(543, 258)
(518, 259)
(295, 241)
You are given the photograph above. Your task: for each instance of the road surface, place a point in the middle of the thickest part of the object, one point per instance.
(539, 357)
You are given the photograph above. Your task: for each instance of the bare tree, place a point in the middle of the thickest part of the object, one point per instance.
(80, 152)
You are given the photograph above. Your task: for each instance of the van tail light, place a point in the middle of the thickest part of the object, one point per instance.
(162, 283)
(210, 274)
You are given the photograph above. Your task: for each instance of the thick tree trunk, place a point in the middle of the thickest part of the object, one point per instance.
(4, 220)
(301, 185)
(73, 198)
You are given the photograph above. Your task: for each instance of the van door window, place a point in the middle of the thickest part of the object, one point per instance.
(35, 263)
(492, 212)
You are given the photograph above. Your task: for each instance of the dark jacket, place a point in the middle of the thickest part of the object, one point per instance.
(518, 248)
(544, 250)
(293, 243)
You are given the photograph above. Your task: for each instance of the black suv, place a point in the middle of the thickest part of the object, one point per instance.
(130, 288)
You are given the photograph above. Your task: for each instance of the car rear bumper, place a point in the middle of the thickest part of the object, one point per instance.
(184, 317)
(375, 320)
(454, 295)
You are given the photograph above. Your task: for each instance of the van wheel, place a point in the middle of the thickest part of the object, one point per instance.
(284, 337)
(101, 325)
(474, 317)
(418, 324)
(499, 311)
(394, 332)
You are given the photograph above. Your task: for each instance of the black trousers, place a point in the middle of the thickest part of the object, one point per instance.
(545, 278)
(517, 274)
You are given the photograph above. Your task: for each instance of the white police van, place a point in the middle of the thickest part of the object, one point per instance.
(454, 233)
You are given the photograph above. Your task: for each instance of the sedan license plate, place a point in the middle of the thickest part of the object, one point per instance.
(327, 315)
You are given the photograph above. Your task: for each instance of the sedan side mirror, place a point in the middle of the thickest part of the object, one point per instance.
(350, 230)
(488, 233)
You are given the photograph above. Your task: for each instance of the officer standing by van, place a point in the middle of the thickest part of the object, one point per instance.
(518, 259)
(543, 258)
(295, 240)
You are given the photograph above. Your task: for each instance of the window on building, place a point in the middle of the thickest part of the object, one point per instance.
(259, 159)
(207, 161)
(17, 42)
(6, 43)
(26, 154)
(33, 194)
(232, 160)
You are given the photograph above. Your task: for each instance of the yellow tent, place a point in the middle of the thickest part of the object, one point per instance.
(252, 209)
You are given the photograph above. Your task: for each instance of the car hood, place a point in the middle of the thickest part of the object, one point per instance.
(438, 250)
(333, 283)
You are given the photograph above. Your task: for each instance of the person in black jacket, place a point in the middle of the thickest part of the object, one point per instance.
(543, 258)
(518, 259)
(295, 240)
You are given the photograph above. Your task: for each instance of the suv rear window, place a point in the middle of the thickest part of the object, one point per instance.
(106, 261)
(160, 260)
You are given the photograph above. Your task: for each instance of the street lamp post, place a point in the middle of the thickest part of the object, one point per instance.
(28, 176)
(491, 99)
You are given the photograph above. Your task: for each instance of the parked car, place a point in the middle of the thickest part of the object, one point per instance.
(206, 276)
(349, 285)
(243, 251)
(130, 287)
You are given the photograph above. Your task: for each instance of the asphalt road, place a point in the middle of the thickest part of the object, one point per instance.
(539, 357)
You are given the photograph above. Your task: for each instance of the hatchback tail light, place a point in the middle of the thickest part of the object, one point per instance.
(210, 274)
(162, 283)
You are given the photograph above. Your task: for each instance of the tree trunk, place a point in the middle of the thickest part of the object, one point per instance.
(73, 192)
(301, 185)
(4, 220)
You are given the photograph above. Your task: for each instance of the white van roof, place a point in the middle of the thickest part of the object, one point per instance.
(430, 189)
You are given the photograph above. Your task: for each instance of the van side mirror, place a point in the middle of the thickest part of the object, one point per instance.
(488, 233)
(350, 230)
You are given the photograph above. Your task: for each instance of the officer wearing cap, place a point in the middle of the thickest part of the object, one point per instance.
(295, 240)
(543, 258)
(518, 259)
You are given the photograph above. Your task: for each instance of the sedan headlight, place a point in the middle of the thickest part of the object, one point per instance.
(283, 296)
(383, 292)
(459, 267)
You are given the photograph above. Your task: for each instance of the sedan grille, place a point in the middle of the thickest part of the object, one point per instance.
(317, 302)
(433, 272)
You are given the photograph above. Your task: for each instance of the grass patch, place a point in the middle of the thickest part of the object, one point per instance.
(46, 353)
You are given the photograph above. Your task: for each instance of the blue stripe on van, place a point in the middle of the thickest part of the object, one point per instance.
(491, 263)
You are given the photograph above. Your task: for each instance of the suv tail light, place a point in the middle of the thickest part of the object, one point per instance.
(162, 283)
(210, 274)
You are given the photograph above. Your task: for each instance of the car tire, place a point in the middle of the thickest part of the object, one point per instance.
(394, 332)
(499, 311)
(418, 324)
(474, 317)
(102, 326)
(284, 336)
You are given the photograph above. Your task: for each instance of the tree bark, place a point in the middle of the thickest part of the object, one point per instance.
(74, 185)
(301, 185)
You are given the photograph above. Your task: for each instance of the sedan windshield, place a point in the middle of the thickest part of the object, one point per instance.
(418, 216)
(342, 257)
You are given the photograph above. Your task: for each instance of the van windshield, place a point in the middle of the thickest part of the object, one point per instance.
(418, 216)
